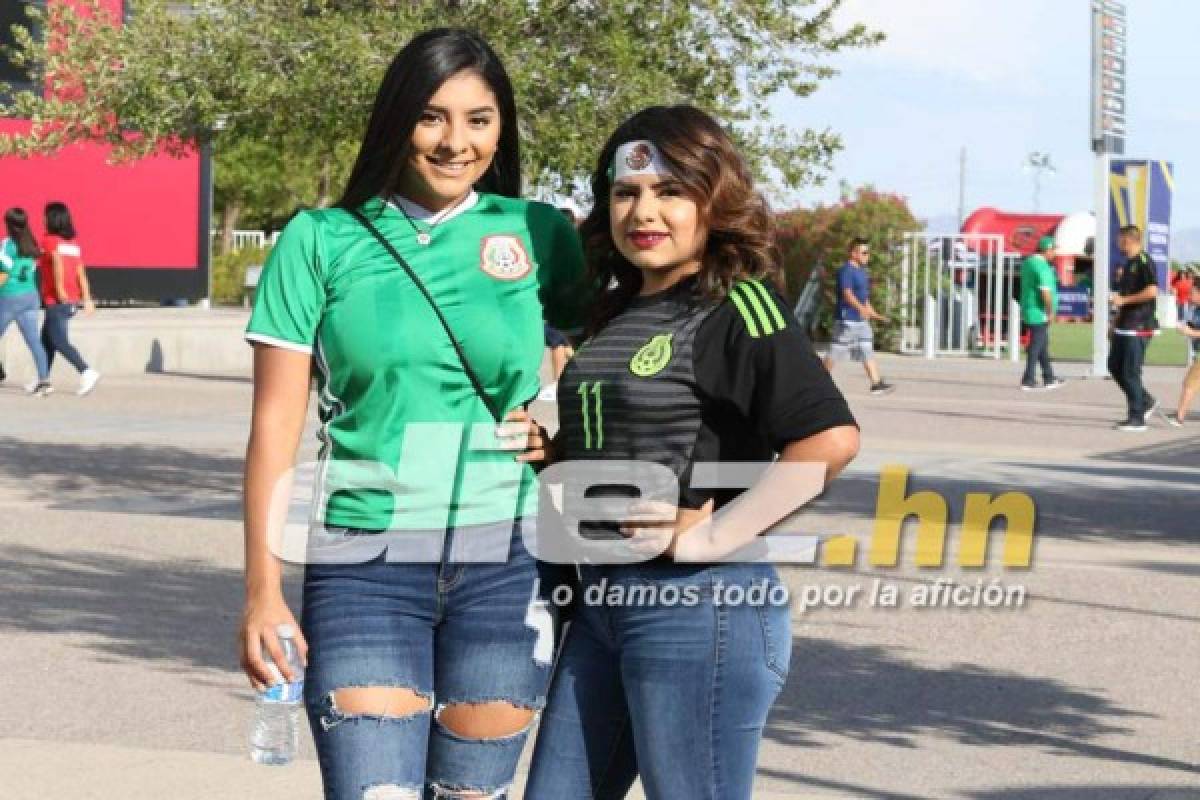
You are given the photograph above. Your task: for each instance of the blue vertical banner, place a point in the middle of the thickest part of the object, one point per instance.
(1140, 194)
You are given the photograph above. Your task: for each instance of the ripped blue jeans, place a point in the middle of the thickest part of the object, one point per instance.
(452, 632)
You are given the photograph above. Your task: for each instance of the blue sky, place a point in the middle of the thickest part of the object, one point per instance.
(1003, 79)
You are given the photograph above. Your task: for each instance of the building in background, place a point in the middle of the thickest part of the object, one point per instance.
(143, 226)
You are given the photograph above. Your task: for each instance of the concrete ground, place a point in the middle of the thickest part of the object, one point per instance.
(120, 590)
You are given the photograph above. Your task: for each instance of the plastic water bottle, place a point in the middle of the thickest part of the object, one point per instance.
(276, 732)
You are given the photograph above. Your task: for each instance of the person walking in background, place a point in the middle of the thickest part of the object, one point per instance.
(1181, 285)
(64, 286)
(852, 334)
(1039, 303)
(1191, 380)
(1133, 300)
(19, 295)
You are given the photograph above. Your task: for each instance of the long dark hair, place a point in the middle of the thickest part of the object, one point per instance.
(705, 161)
(16, 221)
(58, 220)
(415, 75)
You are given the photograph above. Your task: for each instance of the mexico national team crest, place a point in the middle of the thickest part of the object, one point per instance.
(504, 257)
(639, 157)
(653, 356)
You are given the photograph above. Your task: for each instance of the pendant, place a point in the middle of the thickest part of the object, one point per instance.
(424, 238)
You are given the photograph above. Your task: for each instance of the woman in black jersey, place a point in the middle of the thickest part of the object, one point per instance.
(669, 669)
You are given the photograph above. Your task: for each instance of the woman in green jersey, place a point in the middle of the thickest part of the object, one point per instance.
(19, 300)
(418, 303)
(680, 643)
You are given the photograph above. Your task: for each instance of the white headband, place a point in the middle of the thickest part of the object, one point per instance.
(639, 157)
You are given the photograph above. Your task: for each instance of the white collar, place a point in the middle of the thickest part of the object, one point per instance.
(421, 214)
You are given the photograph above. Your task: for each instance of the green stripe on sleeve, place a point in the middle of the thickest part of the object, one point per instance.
(770, 303)
(746, 317)
(760, 313)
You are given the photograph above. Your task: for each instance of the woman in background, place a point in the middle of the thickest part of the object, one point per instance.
(64, 286)
(19, 294)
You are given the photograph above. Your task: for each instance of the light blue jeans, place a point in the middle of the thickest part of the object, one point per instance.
(452, 631)
(670, 679)
(23, 309)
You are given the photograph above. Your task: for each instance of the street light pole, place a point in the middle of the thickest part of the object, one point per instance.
(1038, 163)
(208, 151)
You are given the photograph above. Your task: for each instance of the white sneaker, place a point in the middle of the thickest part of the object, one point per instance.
(32, 386)
(42, 390)
(88, 381)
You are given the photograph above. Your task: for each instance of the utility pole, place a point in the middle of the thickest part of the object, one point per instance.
(962, 186)
(1038, 164)
(1108, 132)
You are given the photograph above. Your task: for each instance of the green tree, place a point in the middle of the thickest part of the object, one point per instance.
(259, 184)
(303, 74)
(820, 237)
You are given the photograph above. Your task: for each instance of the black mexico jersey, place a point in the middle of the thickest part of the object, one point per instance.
(676, 381)
(1139, 273)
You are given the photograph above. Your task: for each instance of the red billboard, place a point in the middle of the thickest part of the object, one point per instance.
(141, 224)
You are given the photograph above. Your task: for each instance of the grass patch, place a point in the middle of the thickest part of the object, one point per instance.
(1073, 342)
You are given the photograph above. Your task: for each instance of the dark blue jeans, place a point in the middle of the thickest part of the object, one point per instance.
(452, 632)
(675, 693)
(54, 335)
(1125, 359)
(1038, 354)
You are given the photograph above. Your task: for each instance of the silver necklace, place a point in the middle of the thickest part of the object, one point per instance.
(423, 237)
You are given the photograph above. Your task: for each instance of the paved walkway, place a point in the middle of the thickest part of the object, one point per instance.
(120, 562)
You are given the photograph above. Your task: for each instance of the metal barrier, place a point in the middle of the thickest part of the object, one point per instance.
(247, 239)
(955, 293)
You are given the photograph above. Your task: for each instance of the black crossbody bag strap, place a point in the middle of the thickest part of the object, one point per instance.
(462, 357)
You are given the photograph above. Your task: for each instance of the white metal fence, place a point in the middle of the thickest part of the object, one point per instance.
(956, 293)
(250, 239)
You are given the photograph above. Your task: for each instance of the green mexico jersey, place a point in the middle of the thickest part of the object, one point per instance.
(21, 270)
(406, 441)
(1037, 274)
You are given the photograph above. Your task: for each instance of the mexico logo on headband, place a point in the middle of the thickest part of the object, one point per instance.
(638, 158)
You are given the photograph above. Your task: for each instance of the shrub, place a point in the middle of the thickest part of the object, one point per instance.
(821, 237)
(229, 273)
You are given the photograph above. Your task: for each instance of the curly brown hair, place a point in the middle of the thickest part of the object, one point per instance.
(740, 225)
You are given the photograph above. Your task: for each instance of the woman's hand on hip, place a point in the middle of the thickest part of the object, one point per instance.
(520, 432)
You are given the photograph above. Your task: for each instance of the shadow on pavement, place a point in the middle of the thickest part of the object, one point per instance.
(180, 613)
(1123, 792)
(204, 376)
(1016, 415)
(871, 694)
(849, 790)
(1073, 502)
(130, 479)
(1181, 452)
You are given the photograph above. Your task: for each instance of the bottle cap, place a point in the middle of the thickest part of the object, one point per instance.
(285, 631)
